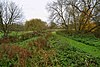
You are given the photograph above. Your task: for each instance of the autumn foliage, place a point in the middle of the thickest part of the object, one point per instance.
(15, 53)
(17, 56)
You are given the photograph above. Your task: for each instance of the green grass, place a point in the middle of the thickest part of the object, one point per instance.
(13, 33)
(19, 33)
(86, 48)
(88, 40)
(68, 55)
(1, 34)
(25, 42)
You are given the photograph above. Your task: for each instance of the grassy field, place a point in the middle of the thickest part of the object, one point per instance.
(86, 48)
(73, 53)
(47, 49)
(15, 33)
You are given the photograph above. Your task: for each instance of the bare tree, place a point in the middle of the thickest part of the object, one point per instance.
(96, 17)
(58, 11)
(9, 13)
(62, 11)
(78, 13)
(87, 7)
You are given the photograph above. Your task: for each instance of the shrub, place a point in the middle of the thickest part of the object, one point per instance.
(12, 55)
(41, 43)
(97, 33)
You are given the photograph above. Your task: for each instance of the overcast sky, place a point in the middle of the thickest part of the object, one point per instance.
(34, 8)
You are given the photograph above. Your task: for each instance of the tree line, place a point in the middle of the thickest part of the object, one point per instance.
(11, 18)
(79, 15)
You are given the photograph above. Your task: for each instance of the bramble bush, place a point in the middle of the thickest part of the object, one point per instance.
(37, 53)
